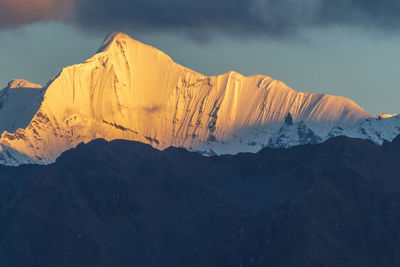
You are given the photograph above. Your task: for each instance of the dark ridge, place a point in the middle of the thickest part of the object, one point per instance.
(124, 203)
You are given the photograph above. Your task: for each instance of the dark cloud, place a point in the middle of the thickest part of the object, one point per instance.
(274, 18)
(380, 14)
(194, 17)
(200, 18)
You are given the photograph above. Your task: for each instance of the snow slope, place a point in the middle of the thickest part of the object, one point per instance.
(378, 130)
(129, 90)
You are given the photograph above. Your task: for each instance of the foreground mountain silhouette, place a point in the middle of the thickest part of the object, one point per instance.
(132, 91)
(126, 204)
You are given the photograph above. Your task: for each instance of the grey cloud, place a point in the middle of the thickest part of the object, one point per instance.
(380, 14)
(273, 18)
(196, 18)
(202, 18)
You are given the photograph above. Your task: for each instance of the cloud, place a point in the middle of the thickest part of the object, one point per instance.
(16, 13)
(202, 18)
(380, 14)
(273, 18)
(193, 17)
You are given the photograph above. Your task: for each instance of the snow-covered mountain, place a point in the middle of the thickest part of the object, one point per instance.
(129, 90)
(293, 134)
(378, 130)
(19, 102)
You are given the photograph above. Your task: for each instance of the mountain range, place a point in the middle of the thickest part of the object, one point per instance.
(132, 91)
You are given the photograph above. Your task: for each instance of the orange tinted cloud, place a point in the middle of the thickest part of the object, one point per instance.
(14, 13)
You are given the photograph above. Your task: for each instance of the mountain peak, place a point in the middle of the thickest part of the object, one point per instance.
(292, 134)
(20, 83)
(289, 119)
(119, 37)
(19, 102)
(110, 39)
(114, 36)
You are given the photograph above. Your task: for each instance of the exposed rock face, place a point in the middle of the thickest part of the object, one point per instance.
(293, 134)
(289, 119)
(132, 91)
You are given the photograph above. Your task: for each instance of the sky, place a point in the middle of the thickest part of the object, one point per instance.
(343, 47)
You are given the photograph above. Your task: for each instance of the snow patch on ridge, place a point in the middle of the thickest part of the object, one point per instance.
(20, 83)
